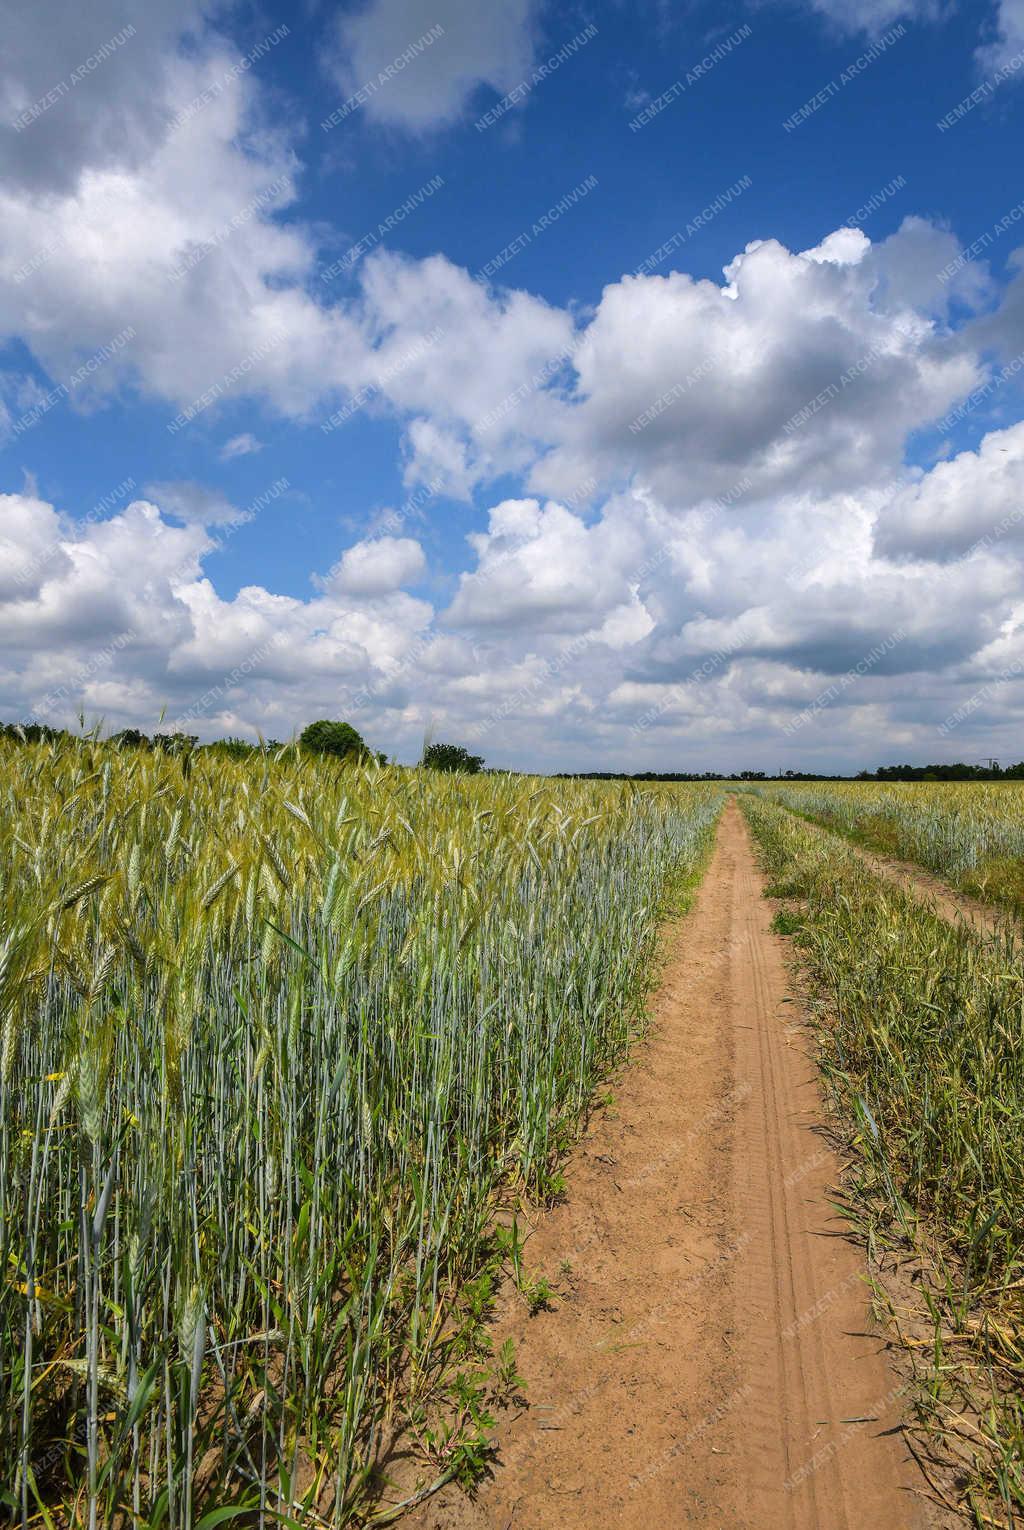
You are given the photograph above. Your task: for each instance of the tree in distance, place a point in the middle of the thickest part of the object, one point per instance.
(176, 743)
(451, 757)
(337, 739)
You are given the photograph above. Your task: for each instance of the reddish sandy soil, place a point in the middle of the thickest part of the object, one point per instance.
(711, 1360)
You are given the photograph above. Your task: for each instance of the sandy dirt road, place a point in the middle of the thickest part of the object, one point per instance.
(711, 1361)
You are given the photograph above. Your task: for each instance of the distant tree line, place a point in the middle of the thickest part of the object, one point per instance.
(883, 773)
(961, 772)
(640, 775)
(692, 775)
(131, 738)
(327, 738)
(339, 740)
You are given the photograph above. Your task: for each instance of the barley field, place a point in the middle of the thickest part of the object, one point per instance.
(971, 833)
(275, 1038)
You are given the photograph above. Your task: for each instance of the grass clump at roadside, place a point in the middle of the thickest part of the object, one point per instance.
(921, 1043)
(276, 1036)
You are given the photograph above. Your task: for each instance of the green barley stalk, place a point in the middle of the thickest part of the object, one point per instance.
(275, 1036)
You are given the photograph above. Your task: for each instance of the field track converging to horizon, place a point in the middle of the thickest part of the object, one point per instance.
(711, 1359)
(512, 765)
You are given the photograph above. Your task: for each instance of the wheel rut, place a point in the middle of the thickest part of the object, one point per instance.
(711, 1360)
(941, 897)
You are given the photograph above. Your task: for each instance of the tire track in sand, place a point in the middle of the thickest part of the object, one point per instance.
(925, 886)
(808, 1351)
(711, 1360)
(941, 897)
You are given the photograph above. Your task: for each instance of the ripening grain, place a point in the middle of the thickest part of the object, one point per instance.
(971, 833)
(272, 1034)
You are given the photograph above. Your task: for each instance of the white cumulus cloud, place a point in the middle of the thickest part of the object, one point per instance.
(377, 566)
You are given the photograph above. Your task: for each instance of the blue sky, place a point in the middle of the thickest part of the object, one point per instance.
(611, 386)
